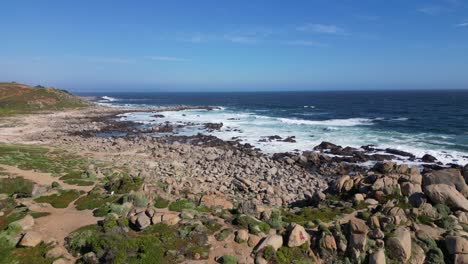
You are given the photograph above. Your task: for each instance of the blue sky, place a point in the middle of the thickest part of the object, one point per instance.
(235, 45)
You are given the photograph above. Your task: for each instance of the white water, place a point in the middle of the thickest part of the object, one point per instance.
(354, 132)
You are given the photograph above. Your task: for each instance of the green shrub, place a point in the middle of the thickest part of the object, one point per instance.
(94, 200)
(443, 210)
(180, 205)
(160, 202)
(276, 220)
(287, 255)
(17, 185)
(55, 185)
(123, 184)
(138, 199)
(221, 236)
(229, 259)
(61, 199)
(253, 225)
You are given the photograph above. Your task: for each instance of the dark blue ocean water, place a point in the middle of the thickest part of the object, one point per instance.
(420, 121)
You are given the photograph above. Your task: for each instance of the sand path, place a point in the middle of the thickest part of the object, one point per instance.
(61, 221)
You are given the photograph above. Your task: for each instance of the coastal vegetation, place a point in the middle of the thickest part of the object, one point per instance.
(23, 99)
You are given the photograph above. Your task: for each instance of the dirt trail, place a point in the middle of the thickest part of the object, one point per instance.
(61, 221)
(40, 178)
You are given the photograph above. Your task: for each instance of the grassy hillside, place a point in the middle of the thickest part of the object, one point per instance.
(23, 99)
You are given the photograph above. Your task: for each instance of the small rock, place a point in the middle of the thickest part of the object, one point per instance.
(298, 236)
(275, 241)
(31, 239)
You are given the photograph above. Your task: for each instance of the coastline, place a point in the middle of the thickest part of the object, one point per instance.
(240, 181)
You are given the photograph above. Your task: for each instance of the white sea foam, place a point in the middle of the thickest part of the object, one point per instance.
(109, 99)
(400, 119)
(354, 132)
(329, 122)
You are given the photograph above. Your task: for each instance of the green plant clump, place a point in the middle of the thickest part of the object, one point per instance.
(17, 185)
(123, 184)
(41, 159)
(158, 243)
(229, 259)
(180, 205)
(160, 202)
(61, 199)
(253, 225)
(94, 200)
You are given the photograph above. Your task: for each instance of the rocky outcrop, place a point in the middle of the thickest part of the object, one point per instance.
(448, 195)
(451, 177)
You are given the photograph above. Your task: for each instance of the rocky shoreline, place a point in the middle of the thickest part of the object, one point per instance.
(319, 206)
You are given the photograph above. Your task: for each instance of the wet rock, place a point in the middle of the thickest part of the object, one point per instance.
(326, 145)
(399, 152)
(213, 126)
(384, 167)
(428, 158)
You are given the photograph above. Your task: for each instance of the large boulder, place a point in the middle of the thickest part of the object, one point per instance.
(400, 244)
(377, 257)
(298, 236)
(25, 223)
(30, 239)
(274, 241)
(142, 221)
(451, 177)
(358, 237)
(216, 201)
(456, 245)
(448, 195)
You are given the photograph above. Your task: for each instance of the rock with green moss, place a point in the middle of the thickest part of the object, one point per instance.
(253, 225)
(223, 234)
(228, 259)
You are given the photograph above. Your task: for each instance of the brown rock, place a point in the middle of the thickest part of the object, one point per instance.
(298, 236)
(31, 239)
(216, 201)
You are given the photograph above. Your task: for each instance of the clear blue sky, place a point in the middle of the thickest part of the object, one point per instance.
(218, 45)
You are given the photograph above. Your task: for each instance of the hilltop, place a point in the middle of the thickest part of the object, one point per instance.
(18, 98)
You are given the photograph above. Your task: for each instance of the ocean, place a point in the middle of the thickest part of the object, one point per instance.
(420, 122)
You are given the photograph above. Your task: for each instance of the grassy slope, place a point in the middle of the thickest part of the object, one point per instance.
(23, 99)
